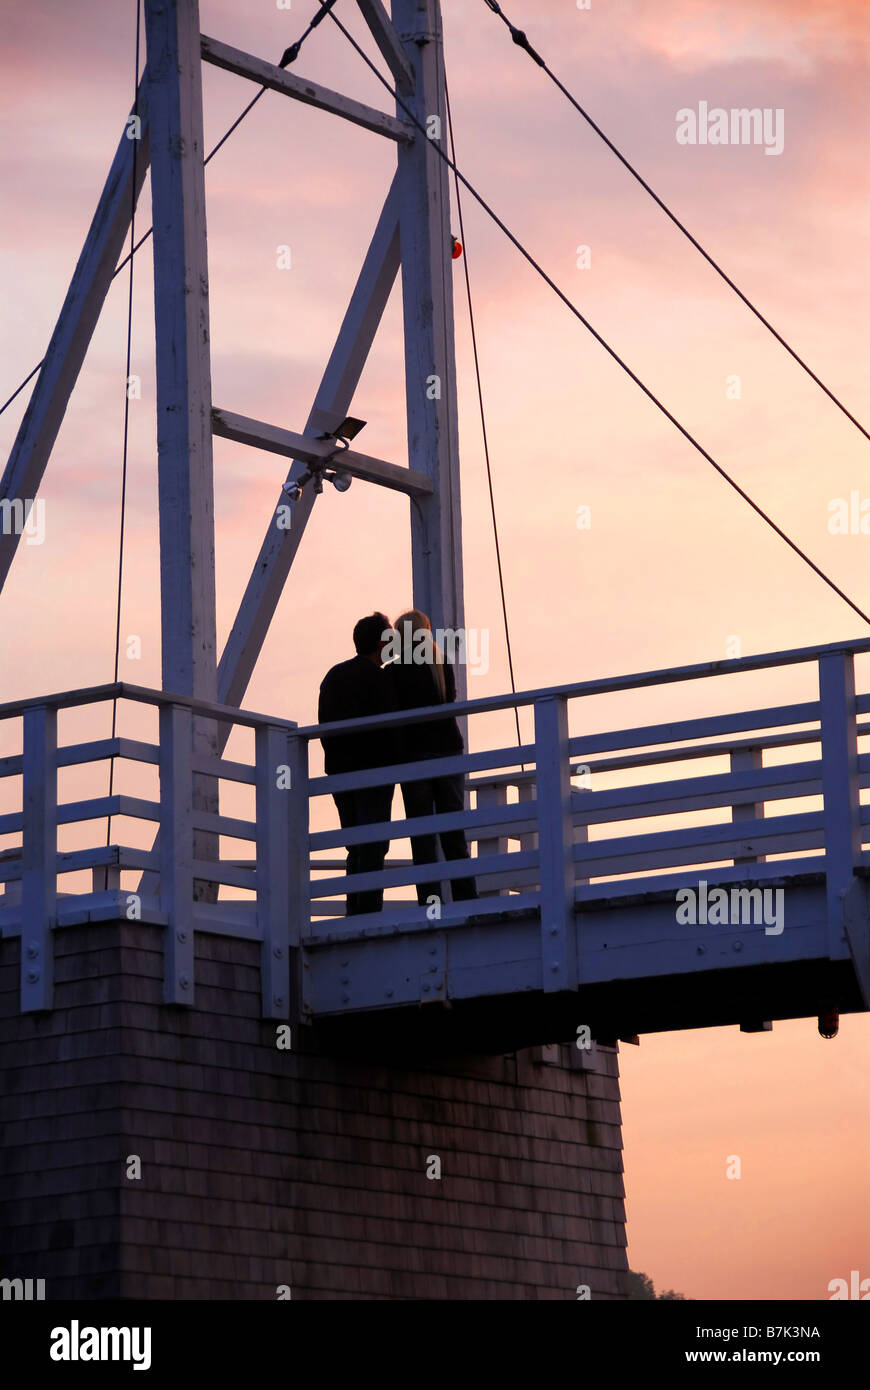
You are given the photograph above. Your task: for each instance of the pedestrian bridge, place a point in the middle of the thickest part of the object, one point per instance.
(677, 874)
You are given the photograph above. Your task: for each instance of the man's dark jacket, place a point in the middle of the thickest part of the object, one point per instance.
(353, 690)
(415, 685)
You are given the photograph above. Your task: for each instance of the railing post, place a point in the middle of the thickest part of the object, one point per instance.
(491, 794)
(275, 791)
(527, 791)
(38, 858)
(176, 851)
(747, 760)
(842, 813)
(556, 843)
(299, 867)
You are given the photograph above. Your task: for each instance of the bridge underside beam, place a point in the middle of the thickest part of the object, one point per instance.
(641, 972)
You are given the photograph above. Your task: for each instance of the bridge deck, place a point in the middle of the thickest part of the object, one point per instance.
(668, 875)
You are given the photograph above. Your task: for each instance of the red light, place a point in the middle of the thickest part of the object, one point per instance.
(829, 1023)
(457, 249)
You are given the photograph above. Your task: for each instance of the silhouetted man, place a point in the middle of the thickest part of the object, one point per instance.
(353, 690)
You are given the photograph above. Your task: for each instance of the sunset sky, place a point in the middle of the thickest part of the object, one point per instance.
(674, 568)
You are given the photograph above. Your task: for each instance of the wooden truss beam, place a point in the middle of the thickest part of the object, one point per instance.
(75, 326)
(389, 43)
(184, 439)
(427, 300)
(221, 55)
(299, 446)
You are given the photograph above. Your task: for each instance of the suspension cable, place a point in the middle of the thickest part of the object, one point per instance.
(484, 432)
(521, 40)
(527, 255)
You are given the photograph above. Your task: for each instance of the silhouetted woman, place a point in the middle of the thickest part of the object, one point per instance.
(421, 676)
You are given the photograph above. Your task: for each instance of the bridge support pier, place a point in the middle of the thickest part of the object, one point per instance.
(154, 1152)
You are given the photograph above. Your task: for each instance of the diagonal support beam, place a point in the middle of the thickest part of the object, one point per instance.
(74, 329)
(389, 43)
(221, 55)
(299, 446)
(343, 371)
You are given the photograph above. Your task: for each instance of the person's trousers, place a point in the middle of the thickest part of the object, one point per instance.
(365, 807)
(433, 797)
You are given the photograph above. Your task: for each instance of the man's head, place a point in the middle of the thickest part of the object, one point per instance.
(371, 635)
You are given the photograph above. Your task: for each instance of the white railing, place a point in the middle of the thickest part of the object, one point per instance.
(550, 827)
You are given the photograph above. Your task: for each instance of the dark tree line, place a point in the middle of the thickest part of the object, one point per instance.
(641, 1286)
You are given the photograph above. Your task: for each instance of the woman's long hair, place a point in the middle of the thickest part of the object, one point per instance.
(417, 649)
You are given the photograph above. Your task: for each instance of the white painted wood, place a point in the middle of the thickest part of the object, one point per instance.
(184, 442)
(75, 326)
(299, 852)
(38, 856)
(702, 844)
(273, 869)
(511, 864)
(476, 823)
(221, 55)
(747, 760)
(223, 872)
(558, 937)
(847, 902)
(176, 852)
(389, 43)
(782, 782)
(298, 446)
(685, 730)
(489, 797)
(427, 297)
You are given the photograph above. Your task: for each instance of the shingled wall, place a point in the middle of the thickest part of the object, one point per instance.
(263, 1168)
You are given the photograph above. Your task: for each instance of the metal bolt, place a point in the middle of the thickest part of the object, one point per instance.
(700, 950)
(278, 999)
(184, 981)
(278, 953)
(433, 950)
(554, 931)
(181, 936)
(345, 999)
(425, 989)
(389, 993)
(32, 976)
(33, 950)
(554, 966)
(345, 980)
(737, 946)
